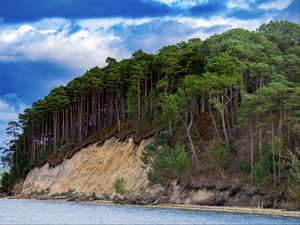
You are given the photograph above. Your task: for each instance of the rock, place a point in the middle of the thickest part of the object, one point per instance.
(176, 193)
(118, 198)
(59, 197)
(92, 197)
(82, 198)
(291, 206)
(105, 196)
(163, 199)
(251, 191)
(202, 183)
(267, 204)
(241, 199)
(223, 196)
(71, 198)
(202, 197)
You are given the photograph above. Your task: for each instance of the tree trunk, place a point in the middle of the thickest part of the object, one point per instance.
(214, 122)
(188, 129)
(273, 154)
(224, 129)
(260, 142)
(251, 150)
(139, 106)
(118, 116)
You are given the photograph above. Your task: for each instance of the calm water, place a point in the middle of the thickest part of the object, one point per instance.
(44, 212)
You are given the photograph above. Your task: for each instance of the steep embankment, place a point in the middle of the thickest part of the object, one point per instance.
(92, 172)
(93, 169)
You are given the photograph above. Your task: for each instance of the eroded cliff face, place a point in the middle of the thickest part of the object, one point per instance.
(93, 169)
(91, 174)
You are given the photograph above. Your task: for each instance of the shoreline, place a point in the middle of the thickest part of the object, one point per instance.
(228, 209)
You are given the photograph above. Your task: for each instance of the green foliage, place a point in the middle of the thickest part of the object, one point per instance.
(161, 139)
(262, 169)
(245, 167)
(294, 175)
(7, 180)
(232, 145)
(169, 163)
(218, 152)
(42, 155)
(132, 100)
(285, 34)
(120, 184)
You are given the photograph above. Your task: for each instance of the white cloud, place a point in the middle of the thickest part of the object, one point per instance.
(81, 44)
(243, 4)
(278, 4)
(54, 40)
(7, 112)
(10, 107)
(107, 23)
(180, 3)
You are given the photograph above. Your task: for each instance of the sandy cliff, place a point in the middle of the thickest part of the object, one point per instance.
(93, 169)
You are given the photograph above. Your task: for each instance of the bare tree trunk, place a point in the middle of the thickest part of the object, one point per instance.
(279, 134)
(224, 129)
(139, 106)
(251, 150)
(260, 142)
(118, 117)
(214, 122)
(273, 153)
(188, 129)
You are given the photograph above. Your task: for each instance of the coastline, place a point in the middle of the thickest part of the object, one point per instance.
(228, 209)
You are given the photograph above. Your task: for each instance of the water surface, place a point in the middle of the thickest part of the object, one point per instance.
(47, 212)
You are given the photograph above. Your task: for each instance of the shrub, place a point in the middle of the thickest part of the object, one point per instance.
(161, 139)
(169, 163)
(42, 155)
(232, 146)
(120, 185)
(7, 180)
(217, 151)
(245, 167)
(262, 169)
(294, 176)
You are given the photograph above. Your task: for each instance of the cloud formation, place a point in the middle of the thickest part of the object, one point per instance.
(10, 107)
(81, 44)
(58, 43)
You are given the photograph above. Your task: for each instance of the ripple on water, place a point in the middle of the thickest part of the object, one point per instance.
(47, 212)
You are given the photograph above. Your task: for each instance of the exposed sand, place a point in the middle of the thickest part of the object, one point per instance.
(275, 212)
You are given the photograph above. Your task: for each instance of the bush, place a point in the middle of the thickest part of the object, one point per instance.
(232, 146)
(294, 176)
(245, 168)
(169, 163)
(161, 139)
(7, 180)
(42, 155)
(217, 151)
(120, 185)
(262, 169)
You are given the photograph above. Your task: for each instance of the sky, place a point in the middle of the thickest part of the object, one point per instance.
(46, 43)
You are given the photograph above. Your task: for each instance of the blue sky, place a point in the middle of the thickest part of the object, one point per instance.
(46, 43)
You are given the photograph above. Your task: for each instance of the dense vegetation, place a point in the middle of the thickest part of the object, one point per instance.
(235, 94)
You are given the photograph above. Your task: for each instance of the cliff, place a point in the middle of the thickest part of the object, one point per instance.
(92, 172)
(93, 169)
